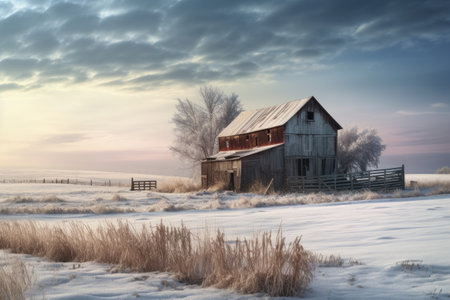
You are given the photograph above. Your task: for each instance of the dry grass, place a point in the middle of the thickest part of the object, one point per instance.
(257, 187)
(118, 198)
(219, 186)
(330, 261)
(261, 264)
(48, 199)
(179, 185)
(295, 199)
(15, 279)
(164, 205)
(411, 265)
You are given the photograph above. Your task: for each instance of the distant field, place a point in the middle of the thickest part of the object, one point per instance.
(428, 178)
(98, 177)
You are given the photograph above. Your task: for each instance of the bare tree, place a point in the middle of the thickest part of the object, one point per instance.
(198, 125)
(358, 151)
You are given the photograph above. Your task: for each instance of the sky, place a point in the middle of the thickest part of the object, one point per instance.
(93, 85)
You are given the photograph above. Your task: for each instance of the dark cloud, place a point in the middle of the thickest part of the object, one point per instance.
(9, 87)
(136, 21)
(132, 44)
(18, 68)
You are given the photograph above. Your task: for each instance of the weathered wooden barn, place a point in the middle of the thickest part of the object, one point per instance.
(297, 138)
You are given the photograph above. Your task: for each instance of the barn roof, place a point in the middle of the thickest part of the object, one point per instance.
(269, 117)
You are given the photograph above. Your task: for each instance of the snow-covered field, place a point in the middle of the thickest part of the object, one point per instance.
(392, 248)
(79, 176)
(428, 178)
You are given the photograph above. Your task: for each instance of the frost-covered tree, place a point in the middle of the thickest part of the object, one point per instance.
(358, 150)
(443, 170)
(198, 125)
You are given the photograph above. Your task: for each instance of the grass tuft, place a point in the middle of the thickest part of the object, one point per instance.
(331, 261)
(180, 185)
(15, 279)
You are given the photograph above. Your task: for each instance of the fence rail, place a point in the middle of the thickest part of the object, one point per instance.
(142, 184)
(84, 181)
(375, 180)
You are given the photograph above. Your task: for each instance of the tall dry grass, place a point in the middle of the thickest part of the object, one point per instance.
(261, 264)
(15, 279)
(179, 185)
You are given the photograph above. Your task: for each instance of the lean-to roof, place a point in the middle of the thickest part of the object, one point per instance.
(238, 154)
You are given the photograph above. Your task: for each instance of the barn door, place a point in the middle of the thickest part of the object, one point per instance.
(231, 186)
(204, 182)
(303, 167)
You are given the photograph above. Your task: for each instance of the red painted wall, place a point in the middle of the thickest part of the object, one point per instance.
(251, 140)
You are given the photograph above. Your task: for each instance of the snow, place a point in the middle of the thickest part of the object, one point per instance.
(401, 246)
(428, 178)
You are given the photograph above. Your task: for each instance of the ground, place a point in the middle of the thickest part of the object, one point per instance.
(393, 248)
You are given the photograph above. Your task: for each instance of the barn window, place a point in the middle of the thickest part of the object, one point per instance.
(256, 141)
(227, 143)
(269, 135)
(310, 116)
(247, 137)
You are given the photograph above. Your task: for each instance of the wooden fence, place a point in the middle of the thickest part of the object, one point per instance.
(142, 184)
(375, 180)
(81, 181)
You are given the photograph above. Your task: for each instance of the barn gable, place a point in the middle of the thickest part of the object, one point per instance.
(270, 117)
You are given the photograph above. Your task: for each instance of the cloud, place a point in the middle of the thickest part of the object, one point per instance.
(131, 44)
(417, 113)
(9, 87)
(439, 105)
(64, 138)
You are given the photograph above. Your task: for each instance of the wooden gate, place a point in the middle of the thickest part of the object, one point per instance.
(142, 184)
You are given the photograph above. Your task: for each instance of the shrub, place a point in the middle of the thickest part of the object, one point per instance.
(443, 170)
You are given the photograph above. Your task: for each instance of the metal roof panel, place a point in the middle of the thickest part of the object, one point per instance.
(265, 118)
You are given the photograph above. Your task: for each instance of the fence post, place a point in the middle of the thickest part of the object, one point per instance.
(403, 177)
(132, 184)
(369, 181)
(385, 180)
(351, 181)
(335, 187)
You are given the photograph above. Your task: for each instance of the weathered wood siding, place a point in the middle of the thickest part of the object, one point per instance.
(310, 145)
(262, 167)
(226, 173)
(241, 174)
(260, 138)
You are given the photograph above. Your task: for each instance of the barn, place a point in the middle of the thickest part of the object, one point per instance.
(297, 138)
